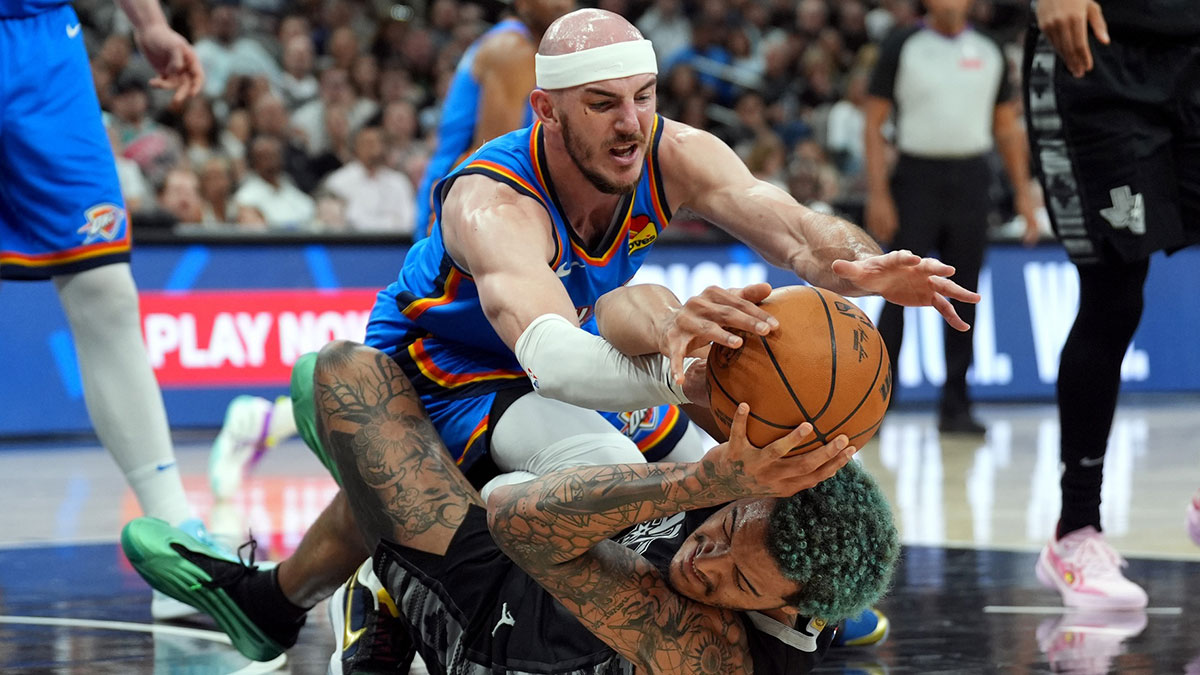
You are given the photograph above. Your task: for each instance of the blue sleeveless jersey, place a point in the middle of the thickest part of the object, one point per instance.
(456, 131)
(431, 322)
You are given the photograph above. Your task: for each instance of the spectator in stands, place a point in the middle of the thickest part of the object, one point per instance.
(225, 52)
(269, 117)
(336, 90)
(134, 189)
(343, 48)
(378, 198)
(216, 190)
(197, 126)
(846, 124)
(297, 84)
(180, 196)
(267, 198)
(338, 150)
(364, 75)
(665, 24)
(400, 133)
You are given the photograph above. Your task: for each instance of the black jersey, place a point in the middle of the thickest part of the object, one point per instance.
(474, 611)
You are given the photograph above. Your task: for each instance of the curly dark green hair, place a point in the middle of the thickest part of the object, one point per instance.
(837, 540)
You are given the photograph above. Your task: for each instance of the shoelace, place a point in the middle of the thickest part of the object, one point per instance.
(1096, 555)
(224, 576)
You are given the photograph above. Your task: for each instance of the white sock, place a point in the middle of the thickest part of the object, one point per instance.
(122, 396)
(156, 484)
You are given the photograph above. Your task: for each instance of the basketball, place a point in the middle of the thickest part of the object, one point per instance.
(826, 364)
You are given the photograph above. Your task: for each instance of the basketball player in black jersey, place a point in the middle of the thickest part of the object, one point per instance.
(1113, 100)
(720, 566)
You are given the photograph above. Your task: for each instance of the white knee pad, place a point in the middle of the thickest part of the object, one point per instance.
(539, 435)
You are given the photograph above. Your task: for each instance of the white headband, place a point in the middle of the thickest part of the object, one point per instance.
(619, 59)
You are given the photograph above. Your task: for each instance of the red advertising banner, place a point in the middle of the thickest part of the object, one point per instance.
(223, 338)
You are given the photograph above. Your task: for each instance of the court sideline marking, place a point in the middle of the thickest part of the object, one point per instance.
(179, 631)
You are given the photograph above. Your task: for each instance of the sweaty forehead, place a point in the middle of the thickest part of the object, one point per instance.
(586, 29)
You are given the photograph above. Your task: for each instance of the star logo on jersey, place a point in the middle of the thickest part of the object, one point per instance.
(1127, 212)
(636, 420)
(643, 534)
(642, 233)
(105, 222)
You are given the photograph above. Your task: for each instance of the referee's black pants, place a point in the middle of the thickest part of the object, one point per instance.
(942, 206)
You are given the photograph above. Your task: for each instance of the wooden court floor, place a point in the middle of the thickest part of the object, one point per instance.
(973, 513)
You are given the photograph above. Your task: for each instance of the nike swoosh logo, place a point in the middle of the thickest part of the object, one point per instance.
(1089, 462)
(164, 466)
(73, 31)
(349, 637)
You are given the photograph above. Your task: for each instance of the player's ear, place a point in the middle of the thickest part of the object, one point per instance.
(543, 106)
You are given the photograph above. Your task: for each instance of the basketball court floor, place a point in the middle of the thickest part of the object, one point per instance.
(972, 512)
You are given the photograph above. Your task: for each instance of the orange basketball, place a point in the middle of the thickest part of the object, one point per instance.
(826, 364)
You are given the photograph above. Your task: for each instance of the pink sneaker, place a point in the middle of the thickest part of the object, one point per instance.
(1193, 518)
(1087, 572)
(1086, 641)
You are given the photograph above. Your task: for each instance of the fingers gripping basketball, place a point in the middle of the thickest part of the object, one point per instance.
(826, 364)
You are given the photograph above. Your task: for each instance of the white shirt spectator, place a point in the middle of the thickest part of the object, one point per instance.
(134, 189)
(310, 119)
(375, 202)
(243, 57)
(282, 207)
(844, 132)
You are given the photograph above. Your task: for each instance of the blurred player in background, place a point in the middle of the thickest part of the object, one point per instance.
(1113, 102)
(948, 86)
(62, 218)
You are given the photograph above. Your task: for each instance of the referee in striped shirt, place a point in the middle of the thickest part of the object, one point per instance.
(947, 85)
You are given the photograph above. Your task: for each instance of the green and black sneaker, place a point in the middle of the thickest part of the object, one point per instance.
(191, 571)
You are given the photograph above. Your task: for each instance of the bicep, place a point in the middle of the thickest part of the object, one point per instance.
(626, 602)
(503, 240)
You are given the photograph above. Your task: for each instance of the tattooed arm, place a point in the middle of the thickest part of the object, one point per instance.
(557, 529)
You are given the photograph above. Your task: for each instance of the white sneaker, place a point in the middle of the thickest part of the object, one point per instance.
(165, 608)
(1087, 572)
(1088, 641)
(1193, 518)
(244, 437)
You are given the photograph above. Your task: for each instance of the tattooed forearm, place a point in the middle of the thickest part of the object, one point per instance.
(394, 467)
(563, 514)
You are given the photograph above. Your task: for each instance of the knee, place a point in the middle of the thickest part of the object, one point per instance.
(341, 353)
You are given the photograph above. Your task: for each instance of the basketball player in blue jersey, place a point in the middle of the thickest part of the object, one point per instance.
(536, 232)
(489, 96)
(62, 218)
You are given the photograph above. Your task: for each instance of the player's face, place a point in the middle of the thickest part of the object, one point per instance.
(606, 126)
(725, 561)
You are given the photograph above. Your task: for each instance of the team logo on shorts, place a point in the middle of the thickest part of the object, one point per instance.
(105, 222)
(638, 420)
(642, 233)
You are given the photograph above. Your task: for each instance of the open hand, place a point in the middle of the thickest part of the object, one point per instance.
(748, 471)
(907, 279)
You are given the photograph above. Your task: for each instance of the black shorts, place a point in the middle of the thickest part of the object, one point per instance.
(1118, 150)
(473, 610)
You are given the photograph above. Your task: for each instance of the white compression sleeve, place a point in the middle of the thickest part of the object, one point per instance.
(569, 364)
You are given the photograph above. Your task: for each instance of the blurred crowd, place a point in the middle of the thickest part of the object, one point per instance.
(319, 115)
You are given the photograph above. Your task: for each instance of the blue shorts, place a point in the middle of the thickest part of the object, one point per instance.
(61, 209)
